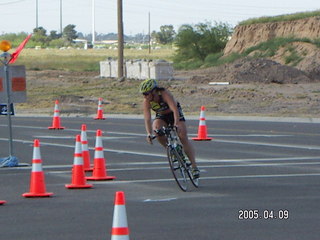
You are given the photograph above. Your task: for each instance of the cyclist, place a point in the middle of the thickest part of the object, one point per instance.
(168, 111)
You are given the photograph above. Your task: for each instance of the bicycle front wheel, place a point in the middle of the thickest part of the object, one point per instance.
(195, 181)
(178, 170)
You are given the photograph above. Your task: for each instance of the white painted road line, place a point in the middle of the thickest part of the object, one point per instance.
(246, 135)
(142, 134)
(157, 166)
(73, 137)
(160, 200)
(214, 178)
(163, 155)
(130, 135)
(311, 147)
(78, 130)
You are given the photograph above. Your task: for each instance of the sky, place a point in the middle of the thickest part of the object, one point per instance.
(20, 15)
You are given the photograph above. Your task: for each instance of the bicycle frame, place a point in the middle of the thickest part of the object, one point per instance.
(179, 164)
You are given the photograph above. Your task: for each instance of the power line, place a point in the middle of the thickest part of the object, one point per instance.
(12, 2)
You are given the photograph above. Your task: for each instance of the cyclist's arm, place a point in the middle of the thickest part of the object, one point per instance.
(169, 99)
(147, 117)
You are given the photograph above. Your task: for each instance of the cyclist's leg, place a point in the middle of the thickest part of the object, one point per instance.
(187, 146)
(158, 123)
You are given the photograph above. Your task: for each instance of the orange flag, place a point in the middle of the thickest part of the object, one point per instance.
(14, 56)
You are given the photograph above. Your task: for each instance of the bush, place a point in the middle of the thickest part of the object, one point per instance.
(57, 43)
(195, 43)
(193, 64)
(213, 58)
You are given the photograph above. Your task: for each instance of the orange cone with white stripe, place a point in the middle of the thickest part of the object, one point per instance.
(2, 202)
(56, 118)
(99, 111)
(99, 166)
(85, 149)
(120, 230)
(202, 130)
(78, 177)
(37, 181)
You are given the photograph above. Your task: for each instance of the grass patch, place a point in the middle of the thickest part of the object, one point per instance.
(262, 50)
(211, 60)
(269, 48)
(281, 18)
(293, 59)
(190, 64)
(80, 60)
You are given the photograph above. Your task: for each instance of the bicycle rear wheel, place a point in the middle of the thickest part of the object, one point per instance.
(178, 170)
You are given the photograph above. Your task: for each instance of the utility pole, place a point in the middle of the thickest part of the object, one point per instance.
(61, 17)
(149, 33)
(120, 40)
(93, 23)
(37, 13)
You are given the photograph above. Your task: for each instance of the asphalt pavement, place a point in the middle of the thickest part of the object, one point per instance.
(259, 180)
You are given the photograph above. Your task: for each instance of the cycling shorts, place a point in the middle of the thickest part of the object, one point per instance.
(169, 118)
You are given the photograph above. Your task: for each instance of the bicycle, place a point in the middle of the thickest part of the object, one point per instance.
(180, 165)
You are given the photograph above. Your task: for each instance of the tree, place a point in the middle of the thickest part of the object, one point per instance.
(40, 31)
(54, 35)
(166, 34)
(40, 37)
(197, 42)
(69, 33)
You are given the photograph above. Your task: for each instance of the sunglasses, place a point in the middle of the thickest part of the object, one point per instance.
(147, 93)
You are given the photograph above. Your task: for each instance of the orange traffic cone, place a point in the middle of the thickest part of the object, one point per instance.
(85, 149)
(2, 202)
(202, 131)
(99, 168)
(78, 177)
(120, 230)
(99, 111)
(37, 181)
(56, 118)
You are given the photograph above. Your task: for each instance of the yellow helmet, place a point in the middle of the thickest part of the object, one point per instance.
(148, 85)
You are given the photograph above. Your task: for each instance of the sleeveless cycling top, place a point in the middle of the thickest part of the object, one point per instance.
(159, 106)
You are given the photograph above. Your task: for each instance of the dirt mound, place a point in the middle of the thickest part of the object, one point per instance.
(251, 71)
(250, 35)
(310, 65)
(304, 57)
